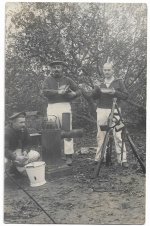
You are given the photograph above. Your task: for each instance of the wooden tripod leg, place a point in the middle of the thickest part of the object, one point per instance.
(123, 142)
(105, 143)
(109, 149)
(108, 153)
(133, 147)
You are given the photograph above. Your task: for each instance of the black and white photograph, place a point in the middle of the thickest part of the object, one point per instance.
(75, 113)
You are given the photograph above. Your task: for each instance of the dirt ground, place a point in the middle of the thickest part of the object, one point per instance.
(116, 196)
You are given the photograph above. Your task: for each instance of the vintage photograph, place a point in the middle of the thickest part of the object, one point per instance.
(75, 113)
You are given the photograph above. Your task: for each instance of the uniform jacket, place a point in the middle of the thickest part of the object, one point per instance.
(51, 87)
(15, 139)
(105, 100)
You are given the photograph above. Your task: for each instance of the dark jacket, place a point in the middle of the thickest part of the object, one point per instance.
(15, 140)
(51, 87)
(105, 100)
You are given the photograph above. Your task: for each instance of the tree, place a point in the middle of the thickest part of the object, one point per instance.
(85, 35)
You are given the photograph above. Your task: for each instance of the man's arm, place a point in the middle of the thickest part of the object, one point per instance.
(96, 92)
(26, 140)
(73, 87)
(119, 92)
(50, 92)
(8, 152)
(47, 92)
(122, 92)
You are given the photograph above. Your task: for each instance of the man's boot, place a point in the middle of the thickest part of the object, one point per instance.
(69, 160)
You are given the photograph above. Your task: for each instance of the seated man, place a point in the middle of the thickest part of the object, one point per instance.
(17, 141)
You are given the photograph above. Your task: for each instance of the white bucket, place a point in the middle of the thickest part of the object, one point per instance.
(36, 173)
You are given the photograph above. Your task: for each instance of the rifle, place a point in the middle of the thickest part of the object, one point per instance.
(106, 139)
(109, 129)
(132, 145)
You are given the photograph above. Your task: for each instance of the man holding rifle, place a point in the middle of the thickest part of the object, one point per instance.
(109, 89)
(60, 91)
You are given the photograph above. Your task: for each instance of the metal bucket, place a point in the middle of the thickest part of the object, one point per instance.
(36, 173)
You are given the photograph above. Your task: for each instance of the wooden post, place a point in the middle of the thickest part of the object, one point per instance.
(51, 145)
(66, 121)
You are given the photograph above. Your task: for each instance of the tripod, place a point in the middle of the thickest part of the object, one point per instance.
(108, 140)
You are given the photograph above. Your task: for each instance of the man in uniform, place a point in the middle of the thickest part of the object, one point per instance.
(17, 141)
(110, 88)
(60, 91)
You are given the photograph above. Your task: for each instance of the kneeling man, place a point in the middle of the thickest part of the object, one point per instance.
(17, 141)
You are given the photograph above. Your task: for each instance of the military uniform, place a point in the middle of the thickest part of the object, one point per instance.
(17, 143)
(58, 103)
(104, 105)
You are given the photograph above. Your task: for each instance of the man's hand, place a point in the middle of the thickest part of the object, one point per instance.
(25, 153)
(62, 92)
(71, 94)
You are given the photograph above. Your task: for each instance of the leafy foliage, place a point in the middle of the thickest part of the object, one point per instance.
(85, 35)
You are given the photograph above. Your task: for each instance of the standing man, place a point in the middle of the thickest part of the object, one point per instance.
(60, 91)
(17, 141)
(110, 88)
